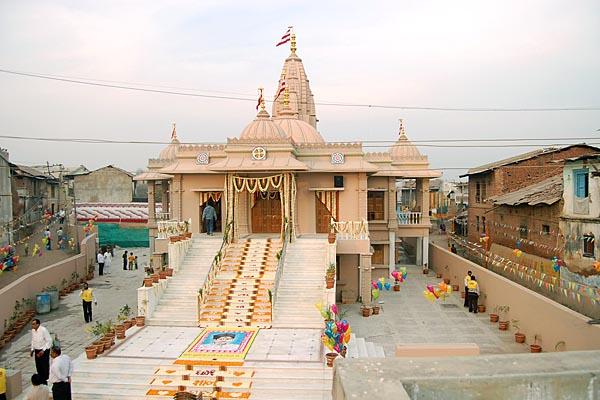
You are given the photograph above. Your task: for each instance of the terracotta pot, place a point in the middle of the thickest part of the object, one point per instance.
(148, 282)
(447, 281)
(494, 317)
(330, 357)
(169, 271)
(127, 324)
(439, 276)
(503, 325)
(329, 281)
(425, 271)
(535, 348)
(519, 337)
(455, 288)
(366, 311)
(481, 308)
(396, 288)
(107, 344)
(140, 320)
(120, 329)
(90, 352)
(375, 310)
(99, 347)
(155, 278)
(162, 275)
(331, 238)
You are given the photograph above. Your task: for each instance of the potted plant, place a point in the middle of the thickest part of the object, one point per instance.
(97, 331)
(169, 271)
(330, 276)
(481, 307)
(502, 313)
(396, 285)
(162, 274)
(123, 317)
(425, 269)
(535, 347)
(331, 236)
(366, 310)
(148, 280)
(376, 308)
(438, 275)
(330, 357)
(494, 317)
(140, 320)
(519, 337)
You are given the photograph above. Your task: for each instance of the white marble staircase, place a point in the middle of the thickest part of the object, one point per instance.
(178, 306)
(360, 348)
(302, 284)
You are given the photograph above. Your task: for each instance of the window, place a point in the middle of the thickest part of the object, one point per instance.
(483, 191)
(483, 224)
(375, 206)
(478, 192)
(377, 257)
(477, 222)
(523, 231)
(580, 183)
(588, 245)
(545, 229)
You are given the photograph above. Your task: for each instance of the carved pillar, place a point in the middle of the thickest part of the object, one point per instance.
(362, 196)
(165, 196)
(151, 203)
(425, 251)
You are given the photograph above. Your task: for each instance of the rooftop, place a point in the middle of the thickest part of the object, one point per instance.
(547, 192)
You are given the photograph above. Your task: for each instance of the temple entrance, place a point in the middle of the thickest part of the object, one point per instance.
(214, 199)
(266, 212)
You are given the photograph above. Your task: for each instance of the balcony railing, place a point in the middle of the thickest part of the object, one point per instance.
(166, 229)
(409, 218)
(163, 216)
(351, 230)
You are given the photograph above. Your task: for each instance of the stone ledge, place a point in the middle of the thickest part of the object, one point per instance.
(437, 349)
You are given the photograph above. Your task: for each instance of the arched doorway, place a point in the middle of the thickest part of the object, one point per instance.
(266, 212)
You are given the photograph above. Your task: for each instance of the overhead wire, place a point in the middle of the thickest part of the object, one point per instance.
(128, 86)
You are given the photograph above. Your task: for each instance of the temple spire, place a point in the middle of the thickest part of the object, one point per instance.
(293, 43)
(402, 132)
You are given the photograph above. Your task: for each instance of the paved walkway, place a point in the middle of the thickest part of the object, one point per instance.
(112, 292)
(407, 317)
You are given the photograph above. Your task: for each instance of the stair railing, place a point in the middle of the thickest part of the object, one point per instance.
(214, 269)
(287, 231)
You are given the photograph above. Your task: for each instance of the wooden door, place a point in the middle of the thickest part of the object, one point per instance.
(266, 214)
(323, 217)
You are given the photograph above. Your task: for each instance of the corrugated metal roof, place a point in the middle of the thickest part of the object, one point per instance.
(548, 192)
(115, 212)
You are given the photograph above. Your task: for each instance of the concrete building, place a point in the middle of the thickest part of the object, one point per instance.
(281, 169)
(33, 192)
(507, 176)
(105, 185)
(580, 219)
(6, 211)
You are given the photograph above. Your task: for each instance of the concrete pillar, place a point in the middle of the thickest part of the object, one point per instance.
(392, 252)
(151, 203)
(425, 251)
(423, 198)
(362, 196)
(365, 277)
(419, 251)
(165, 196)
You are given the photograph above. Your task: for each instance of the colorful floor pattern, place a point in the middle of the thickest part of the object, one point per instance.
(212, 366)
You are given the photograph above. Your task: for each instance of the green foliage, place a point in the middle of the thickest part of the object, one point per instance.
(124, 313)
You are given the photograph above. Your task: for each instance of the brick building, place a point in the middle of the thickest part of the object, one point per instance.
(510, 175)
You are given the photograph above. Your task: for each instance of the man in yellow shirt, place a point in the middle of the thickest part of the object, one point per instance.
(467, 279)
(87, 296)
(2, 384)
(473, 294)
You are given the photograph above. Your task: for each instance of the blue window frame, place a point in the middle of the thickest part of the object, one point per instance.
(580, 183)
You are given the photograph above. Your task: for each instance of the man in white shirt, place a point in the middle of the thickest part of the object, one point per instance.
(41, 342)
(100, 259)
(107, 261)
(61, 370)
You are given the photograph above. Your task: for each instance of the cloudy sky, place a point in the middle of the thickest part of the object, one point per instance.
(507, 54)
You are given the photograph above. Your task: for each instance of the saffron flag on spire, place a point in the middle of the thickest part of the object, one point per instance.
(285, 38)
(260, 98)
(281, 88)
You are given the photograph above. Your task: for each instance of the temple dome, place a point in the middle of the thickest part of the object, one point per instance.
(301, 100)
(298, 130)
(263, 128)
(404, 150)
(170, 152)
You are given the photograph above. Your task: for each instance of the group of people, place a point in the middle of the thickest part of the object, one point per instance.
(105, 256)
(53, 369)
(471, 292)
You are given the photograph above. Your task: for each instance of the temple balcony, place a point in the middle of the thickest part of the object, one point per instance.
(352, 237)
(409, 218)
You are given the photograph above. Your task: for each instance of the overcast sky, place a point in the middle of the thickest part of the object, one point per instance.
(534, 53)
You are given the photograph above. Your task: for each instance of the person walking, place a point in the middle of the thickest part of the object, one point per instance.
(87, 297)
(48, 237)
(107, 261)
(473, 294)
(124, 260)
(131, 260)
(100, 259)
(38, 390)
(467, 279)
(209, 216)
(61, 370)
(61, 216)
(59, 238)
(41, 342)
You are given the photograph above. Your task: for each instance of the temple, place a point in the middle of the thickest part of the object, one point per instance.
(280, 173)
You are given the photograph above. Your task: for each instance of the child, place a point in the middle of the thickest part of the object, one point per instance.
(135, 262)
(131, 260)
